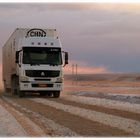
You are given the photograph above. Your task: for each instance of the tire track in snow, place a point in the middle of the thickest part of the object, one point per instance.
(29, 126)
(116, 112)
(54, 128)
(7, 123)
(124, 106)
(78, 124)
(127, 125)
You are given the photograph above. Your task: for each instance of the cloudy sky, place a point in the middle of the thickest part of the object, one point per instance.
(100, 38)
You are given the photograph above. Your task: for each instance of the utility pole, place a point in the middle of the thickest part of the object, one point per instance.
(72, 69)
(75, 72)
(72, 74)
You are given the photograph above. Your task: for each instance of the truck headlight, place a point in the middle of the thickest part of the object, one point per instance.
(60, 79)
(24, 78)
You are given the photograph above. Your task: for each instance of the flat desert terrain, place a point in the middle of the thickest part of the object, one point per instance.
(103, 84)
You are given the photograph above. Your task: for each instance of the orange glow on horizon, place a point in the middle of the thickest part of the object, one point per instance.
(83, 69)
(111, 6)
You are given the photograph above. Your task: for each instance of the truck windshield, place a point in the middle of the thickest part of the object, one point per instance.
(42, 55)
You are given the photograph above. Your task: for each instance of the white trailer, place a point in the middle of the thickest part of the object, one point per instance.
(32, 62)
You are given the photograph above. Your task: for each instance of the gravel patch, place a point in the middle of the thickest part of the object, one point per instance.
(127, 125)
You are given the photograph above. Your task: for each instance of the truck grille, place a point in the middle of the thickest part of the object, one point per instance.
(42, 73)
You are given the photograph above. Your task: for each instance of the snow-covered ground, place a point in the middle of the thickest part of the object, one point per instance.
(9, 125)
(15, 124)
(127, 125)
(125, 106)
(132, 98)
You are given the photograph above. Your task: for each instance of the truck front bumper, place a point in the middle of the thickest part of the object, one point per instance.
(31, 86)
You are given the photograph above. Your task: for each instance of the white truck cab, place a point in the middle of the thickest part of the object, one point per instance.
(33, 61)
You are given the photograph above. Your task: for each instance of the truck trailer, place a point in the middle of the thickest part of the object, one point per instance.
(32, 62)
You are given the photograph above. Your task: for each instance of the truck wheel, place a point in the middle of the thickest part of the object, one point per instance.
(56, 94)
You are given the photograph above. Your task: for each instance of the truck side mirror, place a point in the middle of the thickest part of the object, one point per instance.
(66, 59)
(17, 57)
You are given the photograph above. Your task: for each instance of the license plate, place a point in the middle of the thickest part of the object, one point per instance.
(42, 85)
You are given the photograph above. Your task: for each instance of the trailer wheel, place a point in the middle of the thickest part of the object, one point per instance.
(56, 94)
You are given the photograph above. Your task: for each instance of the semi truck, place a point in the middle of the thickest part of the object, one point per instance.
(33, 61)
